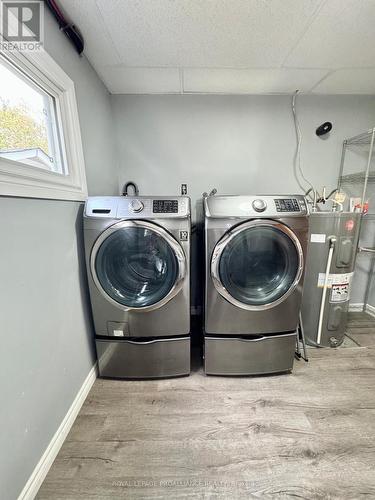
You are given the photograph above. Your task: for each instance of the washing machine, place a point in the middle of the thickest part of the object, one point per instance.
(138, 259)
(255, 252)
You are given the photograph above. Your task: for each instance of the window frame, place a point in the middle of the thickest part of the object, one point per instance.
(19, 179)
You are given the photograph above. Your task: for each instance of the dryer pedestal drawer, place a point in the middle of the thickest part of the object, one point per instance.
(249, 356)
(147, 359)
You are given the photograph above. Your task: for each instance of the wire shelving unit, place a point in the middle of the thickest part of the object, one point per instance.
(366, 141)
(358, 183)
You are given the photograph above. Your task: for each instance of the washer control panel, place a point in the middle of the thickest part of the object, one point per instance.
(287, 205)
(165, 206)
(132, 207)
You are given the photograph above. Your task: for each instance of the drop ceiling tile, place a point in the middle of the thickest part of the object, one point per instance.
(121, 80)
(348, 81)
(206, 33)
(341, 35)
(250, 81)
(98, 43)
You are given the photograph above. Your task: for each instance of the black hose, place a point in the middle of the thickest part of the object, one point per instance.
(132, 185)
(70, 29)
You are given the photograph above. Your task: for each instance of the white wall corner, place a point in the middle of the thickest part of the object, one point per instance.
(370, 310)
(39, 473)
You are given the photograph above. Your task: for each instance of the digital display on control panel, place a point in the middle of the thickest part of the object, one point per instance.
(287, 205)
(165, 206)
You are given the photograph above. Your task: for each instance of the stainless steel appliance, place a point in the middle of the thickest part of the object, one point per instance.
(329, 271)
(255, 254)
(138, 259)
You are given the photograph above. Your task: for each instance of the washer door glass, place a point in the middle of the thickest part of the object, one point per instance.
(259, 265)
(136, 267)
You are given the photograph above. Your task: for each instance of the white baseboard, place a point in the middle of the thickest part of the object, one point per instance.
(359, 308)
(39, 473)
(370, 310)
(356, 307)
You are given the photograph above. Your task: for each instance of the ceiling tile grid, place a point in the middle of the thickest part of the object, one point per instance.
(250, 81)
(348, 81)
(123, 80)
(209, 33)
(229, 46)
(342, 35)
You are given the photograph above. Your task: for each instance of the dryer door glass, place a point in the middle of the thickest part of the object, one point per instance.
(259, 265)
(136, 267)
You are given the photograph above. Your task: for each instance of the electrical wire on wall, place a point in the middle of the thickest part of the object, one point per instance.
(69, 28)
(298, 172)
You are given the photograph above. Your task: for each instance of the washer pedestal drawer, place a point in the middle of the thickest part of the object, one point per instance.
(250, 355)
(155, 358)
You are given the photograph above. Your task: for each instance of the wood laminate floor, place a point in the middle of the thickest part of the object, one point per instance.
(310, 434)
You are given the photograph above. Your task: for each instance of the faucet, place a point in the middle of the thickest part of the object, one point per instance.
(314, 199)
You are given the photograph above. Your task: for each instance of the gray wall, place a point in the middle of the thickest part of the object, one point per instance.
(45, 325)
(238, 144)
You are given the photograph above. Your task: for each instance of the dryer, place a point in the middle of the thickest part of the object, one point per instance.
(255, 252)
(138, 266)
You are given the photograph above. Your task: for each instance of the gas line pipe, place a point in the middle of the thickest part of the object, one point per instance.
(332, 241)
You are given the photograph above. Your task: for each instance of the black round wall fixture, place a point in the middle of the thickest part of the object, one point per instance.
(324, 129)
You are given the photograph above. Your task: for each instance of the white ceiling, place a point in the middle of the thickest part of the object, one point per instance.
(229, 46)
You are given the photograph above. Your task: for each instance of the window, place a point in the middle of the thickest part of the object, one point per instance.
(40, 142)
(28, 130)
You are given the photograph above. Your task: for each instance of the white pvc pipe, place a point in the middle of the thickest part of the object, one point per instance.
(324, 294)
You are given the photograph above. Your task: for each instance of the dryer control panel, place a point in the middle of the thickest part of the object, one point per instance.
(261, 206)
(287, 205)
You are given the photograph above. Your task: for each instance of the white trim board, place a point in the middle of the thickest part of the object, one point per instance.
(41, 470)
(356, 307)
(370, 310)
(359, 308)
